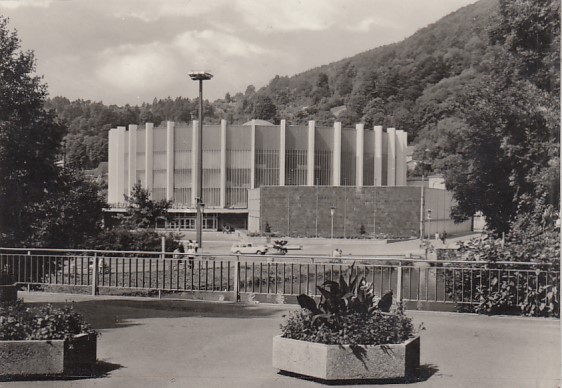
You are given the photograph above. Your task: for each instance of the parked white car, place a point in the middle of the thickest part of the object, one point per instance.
(248, 249)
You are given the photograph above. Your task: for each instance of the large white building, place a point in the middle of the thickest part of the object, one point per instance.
(238, 158)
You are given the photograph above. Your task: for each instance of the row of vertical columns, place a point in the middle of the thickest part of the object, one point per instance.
(396, 144)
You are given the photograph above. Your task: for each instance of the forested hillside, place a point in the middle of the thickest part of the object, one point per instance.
(378, 86)
(479, 89)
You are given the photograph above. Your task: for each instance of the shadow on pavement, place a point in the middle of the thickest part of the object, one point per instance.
(109, 314)
(99, 370)
(424, 373)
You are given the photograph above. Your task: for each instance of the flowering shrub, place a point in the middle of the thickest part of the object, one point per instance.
(18, 322)
(347, 315)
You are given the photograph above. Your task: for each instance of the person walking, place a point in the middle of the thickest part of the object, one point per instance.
(178, 251)
(191, 250)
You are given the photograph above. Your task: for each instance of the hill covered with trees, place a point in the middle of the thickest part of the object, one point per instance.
(478, 88)
(378, 86)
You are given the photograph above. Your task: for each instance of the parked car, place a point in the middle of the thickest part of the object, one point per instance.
(248, 249)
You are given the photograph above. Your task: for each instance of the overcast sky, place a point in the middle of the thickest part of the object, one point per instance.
(130, 51)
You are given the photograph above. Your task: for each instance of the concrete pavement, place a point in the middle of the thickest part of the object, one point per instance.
(166, 343)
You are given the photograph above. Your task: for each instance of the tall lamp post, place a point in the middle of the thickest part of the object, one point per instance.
(200, 76)
(332, 211)
(422, 198)
(429, 224)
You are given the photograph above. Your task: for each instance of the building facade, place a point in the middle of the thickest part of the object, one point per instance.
(239, 158)
(352, 212)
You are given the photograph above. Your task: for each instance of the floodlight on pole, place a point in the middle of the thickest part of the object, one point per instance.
(200, 76)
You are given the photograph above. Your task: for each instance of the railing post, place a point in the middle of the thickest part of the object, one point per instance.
(399, 283)
(163, 257)
(237, 279)
(95, 275)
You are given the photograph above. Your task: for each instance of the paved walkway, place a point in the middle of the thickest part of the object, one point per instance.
(163, 343)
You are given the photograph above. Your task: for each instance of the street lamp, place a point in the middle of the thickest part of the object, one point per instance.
(422, 198)
(198, 168)
(332, 211)
(429, 224)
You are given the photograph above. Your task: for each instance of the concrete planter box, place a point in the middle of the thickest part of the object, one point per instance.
(335, 362)
(48, 357)
(8, 293)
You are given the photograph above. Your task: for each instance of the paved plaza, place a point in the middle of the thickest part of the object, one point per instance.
(168, 343)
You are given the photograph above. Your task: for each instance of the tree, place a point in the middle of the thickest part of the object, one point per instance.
(264, 108)
(495, 135)
(71, 216)
(41, 204)
(30, 140)
(503, 139)
(143, 212)
(530, 31)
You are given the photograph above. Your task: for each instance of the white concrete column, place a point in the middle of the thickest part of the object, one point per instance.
(121, 179)
(170, 160)
(282, 150)
(112, 167)
(391, 161)
(310, 153)
(253, 155)
(336, 158)
(359, 153)
(132, 179)
(194, 163)
(149, 156)
(378, 155)
(223, 165)
(401, 140)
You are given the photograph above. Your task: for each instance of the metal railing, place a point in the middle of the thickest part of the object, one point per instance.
(411, 279)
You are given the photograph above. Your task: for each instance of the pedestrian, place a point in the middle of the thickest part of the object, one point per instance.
(178, 251)
(444, 237)
(191, 254)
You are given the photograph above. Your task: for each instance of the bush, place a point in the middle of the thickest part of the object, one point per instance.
(18, 322)
(352, 329)
(145, 240)
(347, 315)
(531, 290)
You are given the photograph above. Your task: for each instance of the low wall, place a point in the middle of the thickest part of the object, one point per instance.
(358, 211)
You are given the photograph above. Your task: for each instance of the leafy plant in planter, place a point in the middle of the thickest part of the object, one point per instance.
(348, 315)
(18, 322)
(347, 335)
(44, 340)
